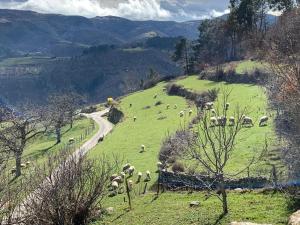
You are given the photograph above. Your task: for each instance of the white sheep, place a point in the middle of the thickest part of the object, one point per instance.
(168, 106)
(118, 179)
(159, 165)
(175, 106)
(71, 140)
(247, 120)
(130, 185)
(209, 105)
(131, 170)
(231, 121)
(213, 111)
(181, 114)
(140, 174)
(126, 167)
(148, 176)
(114, 185)
(143, 148)
(263, 120)
(213, 121)
(190, 112)
(134, 118)
(122, 174)
(28, 163)
(112, 177)
(222, 120)
(23, 165)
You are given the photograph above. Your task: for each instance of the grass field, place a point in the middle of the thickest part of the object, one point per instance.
(39, 148)
(173, 208)
(251, 141)
(128, 136)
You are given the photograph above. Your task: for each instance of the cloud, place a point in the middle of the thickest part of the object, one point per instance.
(134, 9)
(179, 10)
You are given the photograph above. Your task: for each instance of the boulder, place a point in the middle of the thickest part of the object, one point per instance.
(295, 218)
(110, 210)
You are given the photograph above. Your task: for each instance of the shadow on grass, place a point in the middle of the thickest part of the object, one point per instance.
(219, 219)
(37, 154)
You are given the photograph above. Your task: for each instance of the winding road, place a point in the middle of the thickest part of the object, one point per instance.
(105, 127)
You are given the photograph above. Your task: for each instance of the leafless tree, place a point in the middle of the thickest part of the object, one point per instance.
(214, 145)
(71, 195)
(19, 129)
(283, 54)
(62, 108)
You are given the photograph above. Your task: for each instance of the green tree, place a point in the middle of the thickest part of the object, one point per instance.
(182, 54)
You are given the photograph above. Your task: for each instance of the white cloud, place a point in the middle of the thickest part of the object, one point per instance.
(133, 9)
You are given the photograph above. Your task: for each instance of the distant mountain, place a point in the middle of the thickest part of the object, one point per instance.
(98, 73)
(30, 32)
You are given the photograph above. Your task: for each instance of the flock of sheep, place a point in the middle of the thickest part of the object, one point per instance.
(222, 120)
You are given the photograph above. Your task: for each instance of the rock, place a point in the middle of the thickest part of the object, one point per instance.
(110, 210)
(295, 218)
(194, 203)
(246, 223)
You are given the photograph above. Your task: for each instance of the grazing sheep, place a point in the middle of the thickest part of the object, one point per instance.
(190, 112)
(175, 106)
(118, 179)
(168, 106)
(213, 121)
(209, 105)
(263, 120)
(28, 163)
(131, 170)
(247, 120)
(112, 177)
(213, 111)
(143, 148)
(130, 185)
(71, 140)
(126, 167)
(222, 120)
(114, 185)
(227, 106)
(23, 165)
(181, 114)
(160, 165)
(134, 118)
(148, 176)
(231, 121)
(139, 177)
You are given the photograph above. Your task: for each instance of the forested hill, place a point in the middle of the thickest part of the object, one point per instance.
(24, 32)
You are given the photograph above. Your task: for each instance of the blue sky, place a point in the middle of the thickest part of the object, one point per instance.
(179, 10)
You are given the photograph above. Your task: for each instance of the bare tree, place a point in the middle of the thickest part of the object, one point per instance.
(72, 194)
(283, 54)
(62, 108)
(18, 130)
(214, 144)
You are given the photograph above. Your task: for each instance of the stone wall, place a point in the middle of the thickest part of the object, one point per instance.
(182, 181)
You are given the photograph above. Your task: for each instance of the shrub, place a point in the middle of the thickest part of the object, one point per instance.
(178, 167)
(90, 109)
(158, 103)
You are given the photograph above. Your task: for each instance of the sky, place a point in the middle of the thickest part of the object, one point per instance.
(178, 10)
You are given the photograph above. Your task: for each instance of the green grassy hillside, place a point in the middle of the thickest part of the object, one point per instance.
(173, 208)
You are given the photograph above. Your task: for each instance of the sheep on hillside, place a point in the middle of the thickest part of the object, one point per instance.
(140, 174)
(175, 106)
(114, 185)
(247, 120)
(231, 121)
(126, 167)
(222, 120)
(227, 106)
(118, 179)
(143, 148)
(131, 170)
(181, 114)
(134, 118)
(213, 111)
(148, 176)
(190, 112)
(263, 120)
(168, 106)
(209, 105)
(213, 121)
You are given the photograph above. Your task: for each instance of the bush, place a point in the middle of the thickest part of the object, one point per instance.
(178, 167)
(158, 103)
(90, 109)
